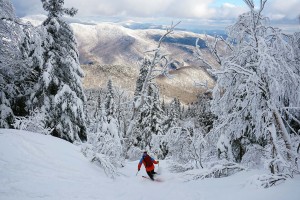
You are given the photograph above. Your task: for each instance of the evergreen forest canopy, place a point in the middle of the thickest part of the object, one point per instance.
(250, 119)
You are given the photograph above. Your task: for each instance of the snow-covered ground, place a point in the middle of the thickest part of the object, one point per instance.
(34, 166)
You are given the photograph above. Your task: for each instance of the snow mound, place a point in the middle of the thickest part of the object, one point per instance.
(43, 167)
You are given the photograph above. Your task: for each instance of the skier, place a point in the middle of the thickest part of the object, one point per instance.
(148, 163)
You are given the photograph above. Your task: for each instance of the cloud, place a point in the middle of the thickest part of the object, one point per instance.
(230, 11)
(135, 8)
(279, 9)
(143, 8)
(199, 9)
(190, 9)
(27, 7)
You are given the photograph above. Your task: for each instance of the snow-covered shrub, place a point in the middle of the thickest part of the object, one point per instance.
(186, 145)
(179, 141)
(158, 146)
(107, 145)
(277, 161)
(35, 122)
(104, 141)
(253, 157)
(134, 153)
(100, 159)
(6, 113)
(107, 142)
(176, 167)
(267, 180)
(218, 169)
(105, 151)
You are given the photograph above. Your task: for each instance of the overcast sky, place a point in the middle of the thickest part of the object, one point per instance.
(202, 10)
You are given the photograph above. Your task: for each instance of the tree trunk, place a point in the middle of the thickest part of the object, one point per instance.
(284, 133)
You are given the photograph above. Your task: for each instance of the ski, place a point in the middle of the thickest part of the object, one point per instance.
(156, 180)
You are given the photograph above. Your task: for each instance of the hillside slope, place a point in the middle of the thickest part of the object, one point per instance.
(111, 51)
(113, 44)
(34, 166)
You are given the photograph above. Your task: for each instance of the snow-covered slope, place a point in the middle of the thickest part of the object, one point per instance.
(34, 166)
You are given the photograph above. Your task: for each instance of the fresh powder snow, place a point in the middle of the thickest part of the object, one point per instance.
(36, 166)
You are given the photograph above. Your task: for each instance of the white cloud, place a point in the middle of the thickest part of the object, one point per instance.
(279, 9)
(230, 11)
(190, 9)
(144, 8)
(200, 9)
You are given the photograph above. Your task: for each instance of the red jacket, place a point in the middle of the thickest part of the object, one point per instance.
(148, 168)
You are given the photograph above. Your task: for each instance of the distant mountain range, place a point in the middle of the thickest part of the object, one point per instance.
(115, 51)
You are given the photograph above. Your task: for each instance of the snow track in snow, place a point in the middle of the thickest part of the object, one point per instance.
(34, 166)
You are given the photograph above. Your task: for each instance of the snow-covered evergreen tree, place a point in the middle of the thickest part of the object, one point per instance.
(18, 61)
(144, 69)
(60, 93)
(137, 138)
(149, 128)
(163, 106)
(110, 115)
(110, 105)
(104, 140)
(9, 56)
(190, 112)
(98, 107)
(174, 113)
(202, 112)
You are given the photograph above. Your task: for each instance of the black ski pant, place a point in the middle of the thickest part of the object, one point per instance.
(151, 174)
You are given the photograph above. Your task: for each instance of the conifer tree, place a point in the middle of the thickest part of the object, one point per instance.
(142, 77)
(110, 115)
(137, 138)
(8, 56)
(163, 105)
(150, 115)
(174, 113)
(60, 94)
(110, 106)
(150, 121)
(18, 60)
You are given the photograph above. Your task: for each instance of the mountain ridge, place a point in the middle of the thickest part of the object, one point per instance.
(105, 47)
